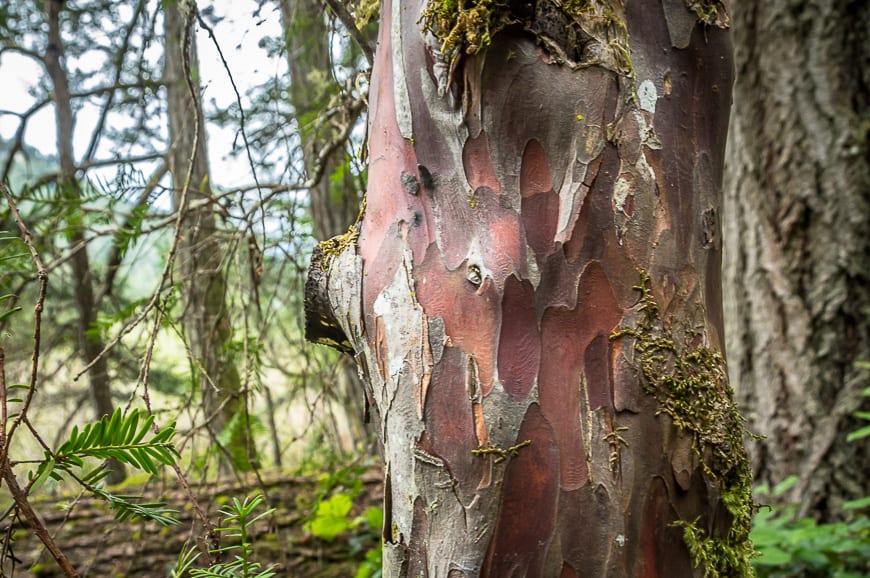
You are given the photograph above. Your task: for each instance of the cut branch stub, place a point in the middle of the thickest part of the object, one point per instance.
(321, 320)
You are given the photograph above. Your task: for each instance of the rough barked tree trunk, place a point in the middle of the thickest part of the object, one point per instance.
(798, 242)
(90, 343)
(334, 199)
(534, 291)
(201, 257)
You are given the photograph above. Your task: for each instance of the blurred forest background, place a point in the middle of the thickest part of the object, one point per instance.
(166, 170)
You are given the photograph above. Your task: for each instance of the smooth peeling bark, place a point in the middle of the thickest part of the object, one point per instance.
(534, 298)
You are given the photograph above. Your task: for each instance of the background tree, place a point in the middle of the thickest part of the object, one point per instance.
(334, 198)
(797, 236)
(91, 345)
(65, 198)
(203, 254)
(535, 294)
(152, 261)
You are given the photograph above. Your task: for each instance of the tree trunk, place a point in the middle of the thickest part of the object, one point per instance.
(798, 242)
(534, 293)
(206, 319)
(90, 343)
(334, 199)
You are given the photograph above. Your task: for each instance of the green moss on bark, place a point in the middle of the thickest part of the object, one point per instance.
(691, 386)
(711, 12)
(465, 25)
(575, 32)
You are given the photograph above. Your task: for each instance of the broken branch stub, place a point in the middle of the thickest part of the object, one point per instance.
(321, 318)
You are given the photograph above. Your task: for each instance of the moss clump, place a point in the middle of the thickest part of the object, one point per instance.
(711, 12)
(691, 387)
(365, 11)
(465, 23)
(720, 558)
(334, 246)
(562, 27)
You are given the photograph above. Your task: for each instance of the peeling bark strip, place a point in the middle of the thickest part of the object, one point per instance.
(534, 297)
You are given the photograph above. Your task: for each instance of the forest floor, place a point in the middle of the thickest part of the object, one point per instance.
(99, 546)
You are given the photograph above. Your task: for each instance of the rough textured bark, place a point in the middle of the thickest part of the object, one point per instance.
(335, 199)
(798, 242)
(205, 317)
(534, 293)
(90, 344)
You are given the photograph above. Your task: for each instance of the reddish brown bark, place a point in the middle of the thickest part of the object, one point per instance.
(509, 222)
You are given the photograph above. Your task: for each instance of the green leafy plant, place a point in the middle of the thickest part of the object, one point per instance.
(863, 432)
(789, 546)
(372, 566)
(239, 518)
(332, 517)
(801, 547)
(122, 438)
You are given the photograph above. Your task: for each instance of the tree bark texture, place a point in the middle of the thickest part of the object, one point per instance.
(201, 257)
(90, 343)
(798, 242)
(534, 295)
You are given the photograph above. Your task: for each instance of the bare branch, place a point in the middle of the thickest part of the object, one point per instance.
(32, 518)
(10, 46)
(119, 64)
(18, 141)
(92, 164)
(346, 19)
(37, 323)
(114, 261)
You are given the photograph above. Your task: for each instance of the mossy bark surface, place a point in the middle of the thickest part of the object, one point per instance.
(542, 210)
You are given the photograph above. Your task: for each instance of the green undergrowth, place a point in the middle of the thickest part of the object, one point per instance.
(334, 518)
(790, 546)
(691, 387)
(800, 547)
(239, 518)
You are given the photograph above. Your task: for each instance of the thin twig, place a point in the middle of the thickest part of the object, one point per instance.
(35, 523)
(210, 534)
(37, 324)
(241, 114)
(119, 65)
